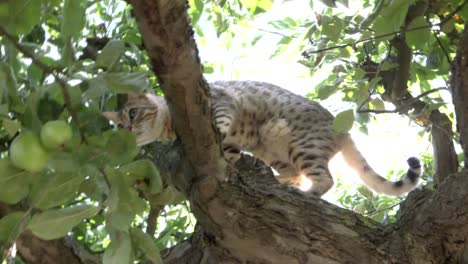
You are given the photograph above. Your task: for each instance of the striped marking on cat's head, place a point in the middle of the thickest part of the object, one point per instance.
(145, 115)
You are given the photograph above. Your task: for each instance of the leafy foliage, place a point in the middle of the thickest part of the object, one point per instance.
(67, 59)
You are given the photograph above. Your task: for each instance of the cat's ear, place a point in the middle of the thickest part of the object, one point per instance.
(132, 96)
(135, 97)
(168, 131)
(111, 116)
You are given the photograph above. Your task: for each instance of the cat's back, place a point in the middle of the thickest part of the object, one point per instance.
(267, 100)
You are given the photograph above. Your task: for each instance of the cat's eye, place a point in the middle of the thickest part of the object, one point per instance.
(132, 113)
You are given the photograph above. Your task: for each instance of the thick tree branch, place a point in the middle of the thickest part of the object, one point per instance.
(169, 41)
(445, 157)
(264, 222)
(404, 57)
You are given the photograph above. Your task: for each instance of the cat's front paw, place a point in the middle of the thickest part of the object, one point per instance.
(231, 153)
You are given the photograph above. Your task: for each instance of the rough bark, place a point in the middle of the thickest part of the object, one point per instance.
(459, 86)
(445, 157)
(261, 221)
(250, 218)
(168, 38)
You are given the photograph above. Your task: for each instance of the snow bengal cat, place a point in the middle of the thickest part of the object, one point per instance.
(292, 134)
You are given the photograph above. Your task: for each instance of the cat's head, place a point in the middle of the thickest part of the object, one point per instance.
(145, 115)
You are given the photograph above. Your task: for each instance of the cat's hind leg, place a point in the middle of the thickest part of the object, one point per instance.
(287, 173)
(315, 168)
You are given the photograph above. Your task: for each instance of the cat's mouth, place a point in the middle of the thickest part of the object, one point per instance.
(144, 141)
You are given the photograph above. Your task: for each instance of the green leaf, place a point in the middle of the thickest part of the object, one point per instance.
(10, 227)
(332, 28)
(20, 16)
(123, 82)
(378, 104)
(365, 192)
(344, 121)
(14, 182)
(329, 3)
(123, 201)
(257, 6)
(11, 126)
(73, 18)
(360, 208)
(264, 5)
(54, 91)
(121, 146)
(30, 119)
(386, 66)
(344, 2)
(418, 39)
(464, 13)
(119, 250)
(67, 52)
(56, 223)
(196, 10)
(110, 54)
(146, 244)
(391, 18)
(169, 196)
(94, 186)
(382, 27)
(325, 91)
(143, 169)
(57, 188)
(8, 84)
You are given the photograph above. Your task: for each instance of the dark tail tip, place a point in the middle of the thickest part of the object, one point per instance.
(415, 169)
(414, 163)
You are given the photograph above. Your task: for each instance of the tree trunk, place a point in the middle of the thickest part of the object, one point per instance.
(459, 86)
(251, 218)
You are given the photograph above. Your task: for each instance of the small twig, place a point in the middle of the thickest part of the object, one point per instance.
(377, 111)
(428, 92)
(442, 47)
(275, 33)
(106, 178)
(393, 33)
(151, 222)
(383, 209)
(48, 70)
(398, 109)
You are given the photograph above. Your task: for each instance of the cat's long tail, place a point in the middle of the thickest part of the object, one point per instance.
(373, 180)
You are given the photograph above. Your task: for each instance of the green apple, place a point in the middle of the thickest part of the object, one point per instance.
(55, 133)
(26, 152)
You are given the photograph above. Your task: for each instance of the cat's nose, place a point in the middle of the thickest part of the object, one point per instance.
(122, 126)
